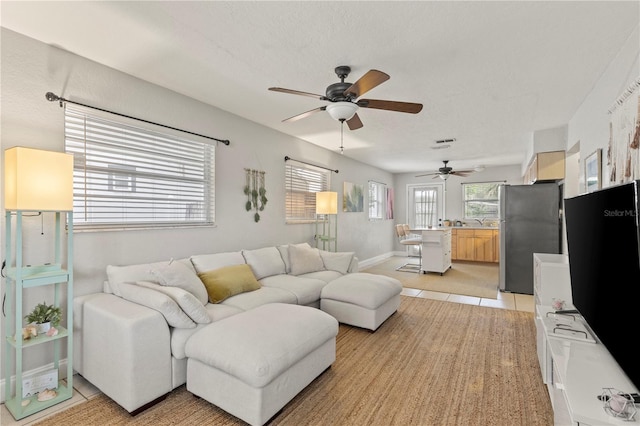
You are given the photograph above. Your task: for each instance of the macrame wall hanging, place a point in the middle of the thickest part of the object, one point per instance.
(623, 155)
(255, 191)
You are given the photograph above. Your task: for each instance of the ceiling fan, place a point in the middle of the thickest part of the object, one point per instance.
(446, 171)
(343, 98)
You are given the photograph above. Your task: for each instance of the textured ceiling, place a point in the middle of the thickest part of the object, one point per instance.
(488, 73)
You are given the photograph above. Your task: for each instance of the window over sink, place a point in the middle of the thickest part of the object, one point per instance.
(480, 200)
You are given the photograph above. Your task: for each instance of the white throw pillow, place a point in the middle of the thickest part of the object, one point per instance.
(178, 274)
(264, 262)
(208, 262)
(337, 261)
(284, 253)
(187, 301)
(304, 259)
(160, 302)
(129, 274)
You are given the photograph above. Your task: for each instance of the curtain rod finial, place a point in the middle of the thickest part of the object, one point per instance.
(51, 96)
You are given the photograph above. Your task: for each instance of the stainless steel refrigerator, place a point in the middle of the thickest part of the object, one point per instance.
(530, 222)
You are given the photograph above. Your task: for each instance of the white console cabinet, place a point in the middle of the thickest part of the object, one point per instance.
(436, 250)
(574, 370)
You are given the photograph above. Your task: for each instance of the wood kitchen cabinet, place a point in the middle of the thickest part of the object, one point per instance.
(476, 245)
(545, 166)
(483, 245)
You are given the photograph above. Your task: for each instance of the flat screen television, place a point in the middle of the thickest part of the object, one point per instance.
(603, 242)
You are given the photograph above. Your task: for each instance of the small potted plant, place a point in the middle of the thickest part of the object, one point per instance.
(44, 316)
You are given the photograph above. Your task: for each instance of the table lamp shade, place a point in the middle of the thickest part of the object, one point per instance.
(38, 180)
(326, 202)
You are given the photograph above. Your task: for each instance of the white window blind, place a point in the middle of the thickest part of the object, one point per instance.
(301, 184)
(132, 177)
(377, 200)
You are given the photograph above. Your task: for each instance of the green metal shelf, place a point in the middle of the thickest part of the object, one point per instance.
(20, 277)
(14, 405)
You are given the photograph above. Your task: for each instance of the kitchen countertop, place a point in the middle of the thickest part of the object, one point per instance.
(457, 227)
(473, 227)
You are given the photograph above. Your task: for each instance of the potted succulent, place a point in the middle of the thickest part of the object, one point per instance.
(44, 316)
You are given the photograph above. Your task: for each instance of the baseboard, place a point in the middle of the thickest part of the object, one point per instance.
(62, 374)
(378, 259)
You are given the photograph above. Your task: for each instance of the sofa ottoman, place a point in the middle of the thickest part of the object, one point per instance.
(253, 363)
(361, 299)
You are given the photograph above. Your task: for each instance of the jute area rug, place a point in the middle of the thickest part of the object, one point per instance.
(477, 279)
(430, 363)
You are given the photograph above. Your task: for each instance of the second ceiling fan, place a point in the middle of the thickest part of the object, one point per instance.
(446, 171)
(345, 99)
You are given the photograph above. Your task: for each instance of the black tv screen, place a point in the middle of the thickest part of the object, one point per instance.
(603, 242)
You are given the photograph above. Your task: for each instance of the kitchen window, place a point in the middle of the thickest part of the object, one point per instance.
(132, 177)
(480, 200)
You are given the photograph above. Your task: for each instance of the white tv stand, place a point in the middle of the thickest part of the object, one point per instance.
(574, 371)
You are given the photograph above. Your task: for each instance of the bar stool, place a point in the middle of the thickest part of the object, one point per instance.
(406, 238)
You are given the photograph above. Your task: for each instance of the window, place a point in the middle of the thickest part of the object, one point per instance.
(425, 205)
(481, 200)
(131, 177)
(377, 200)
(301, 184)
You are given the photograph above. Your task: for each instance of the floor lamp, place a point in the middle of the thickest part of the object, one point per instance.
(35, 182)
(326, 208)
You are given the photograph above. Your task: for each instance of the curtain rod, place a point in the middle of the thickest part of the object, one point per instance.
(287, 158)
(52, 97)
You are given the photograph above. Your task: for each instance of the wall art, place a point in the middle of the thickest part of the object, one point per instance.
(353, 197)
(254, 189)
(593, 171)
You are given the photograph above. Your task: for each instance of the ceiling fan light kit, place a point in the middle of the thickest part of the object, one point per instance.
(344, 98)
(342, 111)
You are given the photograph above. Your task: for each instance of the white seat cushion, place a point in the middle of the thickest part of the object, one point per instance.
(363, 289)
(259, 345)
(306, 290)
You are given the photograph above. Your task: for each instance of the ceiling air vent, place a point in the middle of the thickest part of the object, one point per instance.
(443, 143)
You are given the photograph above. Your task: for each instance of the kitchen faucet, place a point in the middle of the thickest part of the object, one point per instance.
(480, 221)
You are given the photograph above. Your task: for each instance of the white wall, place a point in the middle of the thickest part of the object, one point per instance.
(590, 124)
(30, 69)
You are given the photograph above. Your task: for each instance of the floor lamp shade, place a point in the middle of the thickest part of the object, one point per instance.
(38, 180)
(326, 202)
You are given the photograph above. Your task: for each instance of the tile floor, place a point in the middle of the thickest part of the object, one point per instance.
(83, 390)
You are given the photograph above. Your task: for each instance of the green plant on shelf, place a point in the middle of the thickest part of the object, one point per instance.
(44, 313)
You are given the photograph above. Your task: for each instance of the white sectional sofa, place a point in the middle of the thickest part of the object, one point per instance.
(130, 339)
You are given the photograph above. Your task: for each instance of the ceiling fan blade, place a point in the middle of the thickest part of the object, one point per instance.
(367, 82)
(296, 92)
(305, 114)
(354, 122)
(411, 108)
(428, 174)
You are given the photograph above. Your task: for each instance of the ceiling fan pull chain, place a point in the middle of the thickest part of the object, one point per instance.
(341, 136)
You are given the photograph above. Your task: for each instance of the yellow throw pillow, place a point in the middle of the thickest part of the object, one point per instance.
(228, 281)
